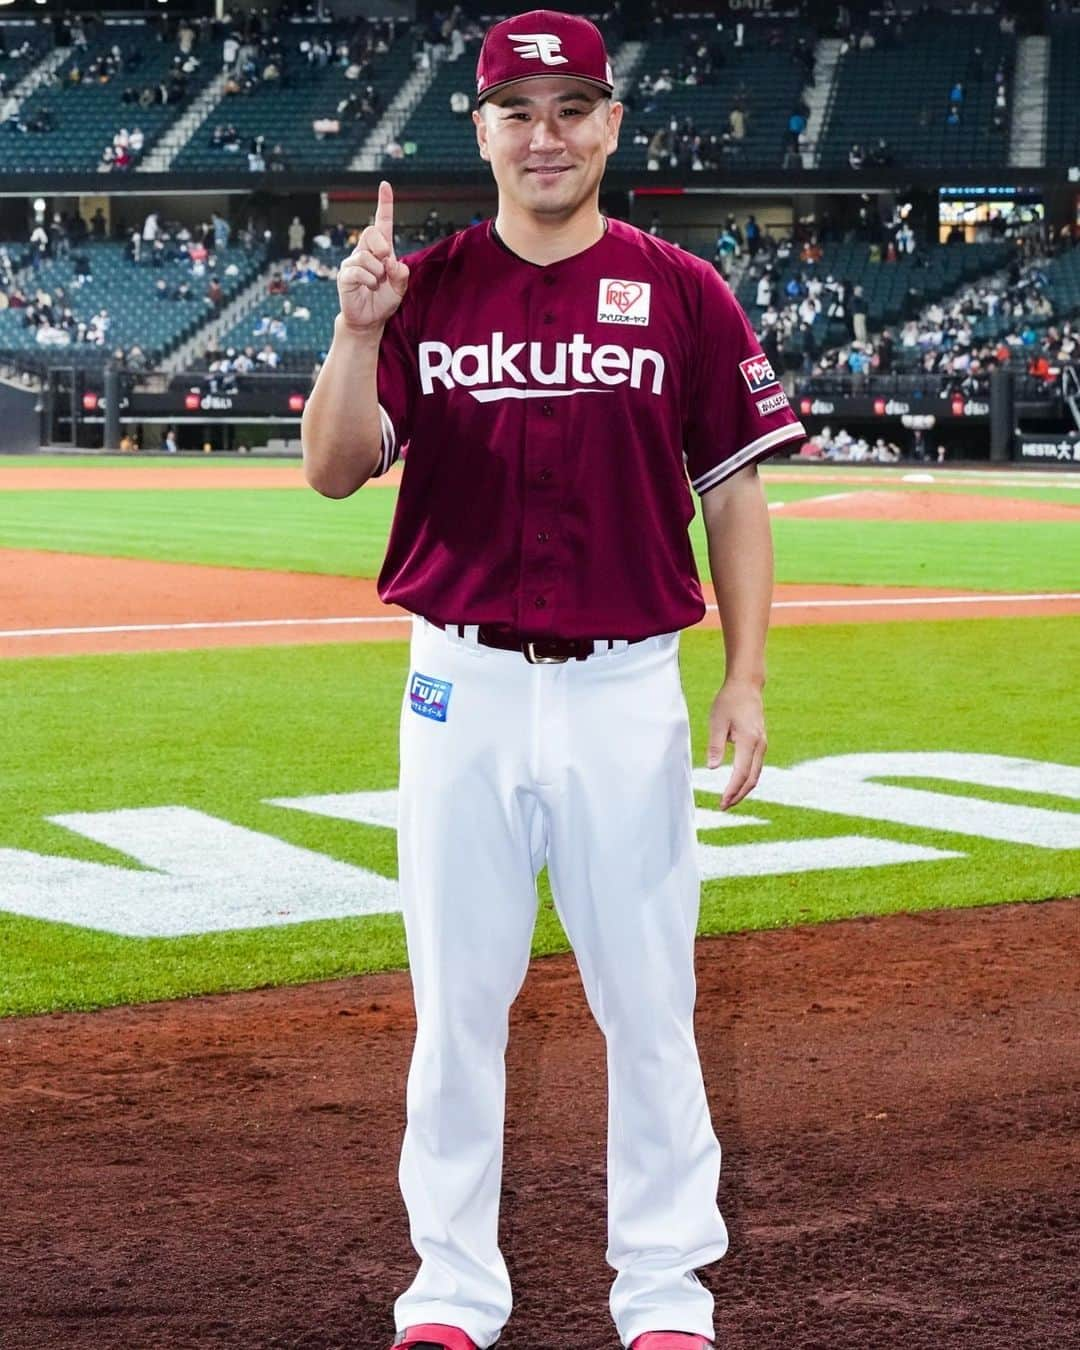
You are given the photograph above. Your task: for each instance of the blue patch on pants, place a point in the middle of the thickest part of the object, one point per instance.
(429, 697)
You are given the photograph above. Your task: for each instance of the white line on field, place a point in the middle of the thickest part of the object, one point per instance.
(187, 627)
(853, 603)
(988, 599)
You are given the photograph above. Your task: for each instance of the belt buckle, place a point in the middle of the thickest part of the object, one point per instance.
(528, 650)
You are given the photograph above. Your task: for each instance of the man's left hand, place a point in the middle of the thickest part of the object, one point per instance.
(737, 715)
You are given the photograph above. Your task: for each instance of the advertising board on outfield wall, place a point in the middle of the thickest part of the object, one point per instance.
(1049, 449)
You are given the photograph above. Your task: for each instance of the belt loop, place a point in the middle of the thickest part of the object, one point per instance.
(470, 634)
(454, 632)
(618, 645)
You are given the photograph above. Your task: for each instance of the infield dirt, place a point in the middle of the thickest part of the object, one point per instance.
(893, 1096)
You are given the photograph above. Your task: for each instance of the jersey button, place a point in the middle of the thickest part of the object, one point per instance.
(540, 602)
(544, 475)
(549, 317)
(547, 409)
(549, 280)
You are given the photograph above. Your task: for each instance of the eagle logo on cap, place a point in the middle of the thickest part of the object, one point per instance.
(539, 47)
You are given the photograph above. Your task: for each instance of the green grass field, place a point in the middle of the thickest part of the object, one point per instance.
(293, 530)
(221, 731)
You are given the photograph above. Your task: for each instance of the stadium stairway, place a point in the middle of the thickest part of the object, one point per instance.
(628, 57)
(160, 159)
(370, 155)
(1031, 88)
(33, 79)
(817, 95)
(230, 318)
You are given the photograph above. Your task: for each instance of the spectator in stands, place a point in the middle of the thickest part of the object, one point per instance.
(169, 442)
(856, 157)
(880, 153)
(460, 104)
(296, 235)
(726, 251)
(859, 310)
(737, 123)
(269, 358)
(884, 452)
(220, 230)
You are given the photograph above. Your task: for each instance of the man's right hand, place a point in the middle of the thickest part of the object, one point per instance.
(372, 281)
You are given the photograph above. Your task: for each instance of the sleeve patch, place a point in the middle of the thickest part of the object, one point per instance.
(773, 404)
(758, 373)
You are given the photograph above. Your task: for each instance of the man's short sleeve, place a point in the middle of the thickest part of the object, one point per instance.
(739, 412)
(398, 384)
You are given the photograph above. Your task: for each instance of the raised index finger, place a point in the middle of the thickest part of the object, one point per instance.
(384, 213)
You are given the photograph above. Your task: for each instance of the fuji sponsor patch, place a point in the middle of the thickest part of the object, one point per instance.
(774, 403)
(758, 373)
(623, 301)
(429, 697)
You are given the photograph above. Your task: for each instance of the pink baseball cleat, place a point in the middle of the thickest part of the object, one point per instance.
(434, 1336)
(671, 1340)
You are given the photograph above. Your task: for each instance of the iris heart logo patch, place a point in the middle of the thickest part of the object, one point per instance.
(622, 294)
(622, 301)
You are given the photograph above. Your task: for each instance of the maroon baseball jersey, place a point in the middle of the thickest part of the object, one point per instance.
(555, 418)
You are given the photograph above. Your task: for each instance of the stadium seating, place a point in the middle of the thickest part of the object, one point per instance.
(763, 75)
(88, 114)
(1063, 108)
(893, 291)
(127, 292)
(902, 93)
(305, 339)
(283, 111)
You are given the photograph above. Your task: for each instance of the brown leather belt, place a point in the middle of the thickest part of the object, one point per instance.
(537, 651)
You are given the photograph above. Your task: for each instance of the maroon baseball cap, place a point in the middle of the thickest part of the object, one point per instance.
(542, 42)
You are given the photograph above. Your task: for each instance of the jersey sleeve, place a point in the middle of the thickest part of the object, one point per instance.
(398, 385)
(738, 411)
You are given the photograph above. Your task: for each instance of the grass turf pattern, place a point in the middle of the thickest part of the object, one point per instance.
(221, 730)
(295, 530)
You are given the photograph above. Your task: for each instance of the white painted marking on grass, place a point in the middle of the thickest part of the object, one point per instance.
(987, 598)
(209, 876)
(841, 784)
(810, 855)
(918, 478)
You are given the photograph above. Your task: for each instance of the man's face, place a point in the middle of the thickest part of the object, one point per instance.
(548, 141)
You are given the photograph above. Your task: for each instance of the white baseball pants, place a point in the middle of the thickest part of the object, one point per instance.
(584, 766)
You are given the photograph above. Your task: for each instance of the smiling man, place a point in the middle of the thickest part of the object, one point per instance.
(562, 381)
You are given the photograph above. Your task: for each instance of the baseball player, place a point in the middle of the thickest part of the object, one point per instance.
(562, 382)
